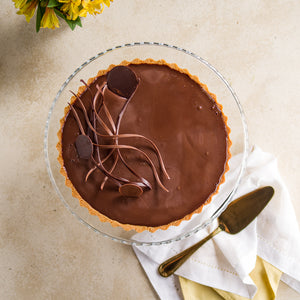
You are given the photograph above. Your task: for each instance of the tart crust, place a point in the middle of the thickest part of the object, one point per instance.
(102, 217)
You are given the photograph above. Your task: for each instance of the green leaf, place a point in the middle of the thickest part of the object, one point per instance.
(72, 23)
(53, 3)
(78, 21)
(59, 13)
(39, 15)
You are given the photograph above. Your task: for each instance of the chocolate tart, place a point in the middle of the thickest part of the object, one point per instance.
(144, 145)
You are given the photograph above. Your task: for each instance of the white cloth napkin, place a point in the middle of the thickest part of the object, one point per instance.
(226, 261)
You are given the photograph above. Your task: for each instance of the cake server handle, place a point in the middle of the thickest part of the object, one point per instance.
(168, 267)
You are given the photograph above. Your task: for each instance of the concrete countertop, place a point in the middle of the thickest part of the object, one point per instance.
(47, 254)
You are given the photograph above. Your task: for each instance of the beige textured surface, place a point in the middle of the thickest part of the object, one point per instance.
(44, 252)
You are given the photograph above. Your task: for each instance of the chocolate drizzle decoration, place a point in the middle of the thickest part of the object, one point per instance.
(103, 147)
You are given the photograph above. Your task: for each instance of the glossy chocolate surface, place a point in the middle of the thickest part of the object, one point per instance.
(189, 130)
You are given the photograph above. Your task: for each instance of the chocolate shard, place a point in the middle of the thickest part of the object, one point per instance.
(84, 146)
(122, 81)
(132, 190)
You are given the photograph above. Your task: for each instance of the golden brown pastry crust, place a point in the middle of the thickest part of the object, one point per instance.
(103, 218)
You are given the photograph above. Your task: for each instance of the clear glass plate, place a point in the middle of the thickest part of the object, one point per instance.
(216, 84)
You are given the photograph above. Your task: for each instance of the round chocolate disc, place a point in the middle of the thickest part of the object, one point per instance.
(122, 81)
(130, 190)
(84, 146)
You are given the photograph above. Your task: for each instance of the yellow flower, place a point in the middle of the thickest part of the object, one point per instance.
(70, 8)
(49, 19)
(93, 7)
(19, 3)
(107, 2)
(26, 8)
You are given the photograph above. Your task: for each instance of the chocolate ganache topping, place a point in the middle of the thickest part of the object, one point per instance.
(145, 144)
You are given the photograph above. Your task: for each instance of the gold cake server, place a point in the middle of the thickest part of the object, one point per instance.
(238, 215)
